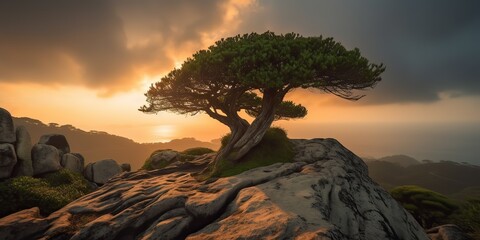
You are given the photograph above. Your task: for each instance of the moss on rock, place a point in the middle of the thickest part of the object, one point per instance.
(275, 147)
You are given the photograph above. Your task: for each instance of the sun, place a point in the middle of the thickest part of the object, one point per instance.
(164, 133)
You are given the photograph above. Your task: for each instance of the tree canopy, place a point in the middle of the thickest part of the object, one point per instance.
(253, 73)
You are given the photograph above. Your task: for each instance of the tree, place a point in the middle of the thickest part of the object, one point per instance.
(428, 207)
(253, 73)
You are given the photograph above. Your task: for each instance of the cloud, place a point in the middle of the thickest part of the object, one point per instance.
(63, 42)
(104, 45)
(429, 47)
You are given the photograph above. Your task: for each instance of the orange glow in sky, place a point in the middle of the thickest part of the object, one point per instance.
(94, 76)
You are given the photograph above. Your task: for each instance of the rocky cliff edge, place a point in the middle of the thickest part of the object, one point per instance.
(324, 194)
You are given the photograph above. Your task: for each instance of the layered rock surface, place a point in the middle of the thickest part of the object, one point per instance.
(325, 194)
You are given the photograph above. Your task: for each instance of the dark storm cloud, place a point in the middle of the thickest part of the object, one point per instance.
(88, 43)
(428, 46)
(45, 41)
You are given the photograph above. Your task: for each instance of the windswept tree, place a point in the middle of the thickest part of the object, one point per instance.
(253, 73)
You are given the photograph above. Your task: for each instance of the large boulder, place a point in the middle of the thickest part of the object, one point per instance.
(101, 171)
(161, 159)
(126, 167)
(326, 194)
(57, 140)
(8, 159)
(79, 156)
(45, 159)
(7, 129)
(72, 162)
(23, 147)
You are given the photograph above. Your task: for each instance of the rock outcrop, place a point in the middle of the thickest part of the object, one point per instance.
(23, 147)
(73, 162)
(7, 129)
(163, 158)
(57, 140)
(101, 171)
(45, 159)
(325, 194)
(8, 159)
(126, 167)
(52, 153)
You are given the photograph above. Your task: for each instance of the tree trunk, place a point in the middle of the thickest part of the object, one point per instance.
(237, 130)
(245, 137)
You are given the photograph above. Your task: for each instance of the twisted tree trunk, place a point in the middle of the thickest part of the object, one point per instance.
(244, 136)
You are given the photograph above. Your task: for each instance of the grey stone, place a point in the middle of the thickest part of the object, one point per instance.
(163, 158)
(126, 167)
(88, 172)
(80, 156)
(45, 159)
(7, 129)
(327, 197)
(72, 162)
(101, 171)
(23, 147)
(8, 159)
(57, 140)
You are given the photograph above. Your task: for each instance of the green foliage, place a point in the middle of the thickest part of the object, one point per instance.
(428, 207)
(197, 151)
(468, 217)
(253, 73)
(229, 74)
(275, 147)
(49, 193)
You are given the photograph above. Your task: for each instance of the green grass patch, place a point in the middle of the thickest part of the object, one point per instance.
(275, 147)
(49, 193)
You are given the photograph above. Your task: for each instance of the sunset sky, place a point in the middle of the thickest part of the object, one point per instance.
(87, 63)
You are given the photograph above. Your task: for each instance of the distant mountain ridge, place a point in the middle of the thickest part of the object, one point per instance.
(454, 179)
(97, 145)
(400, 159)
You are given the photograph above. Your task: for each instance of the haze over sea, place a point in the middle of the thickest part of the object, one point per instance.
(433, 141)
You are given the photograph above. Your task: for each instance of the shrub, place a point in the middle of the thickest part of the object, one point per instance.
(428, 207)
(49, 193)
(468, 217)
(198, 151)
(273, 148)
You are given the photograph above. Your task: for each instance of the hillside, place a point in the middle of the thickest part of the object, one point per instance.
(446, 177)
(402, 160)
(96, 145)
